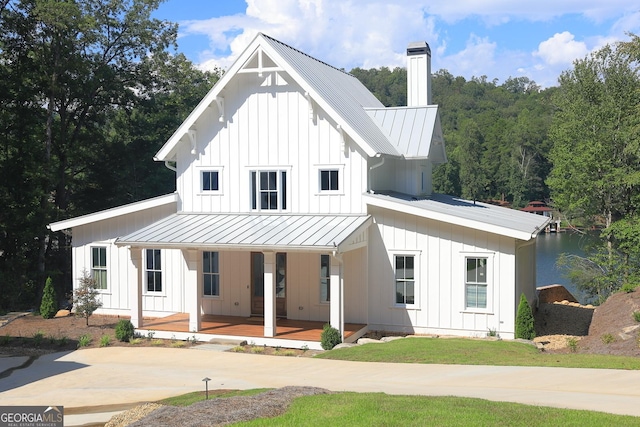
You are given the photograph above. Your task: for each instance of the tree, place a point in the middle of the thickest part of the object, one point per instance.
(65, 67)
(525, 328)
(472, 175)
(49, 304)
(596, 164)
(86, 298)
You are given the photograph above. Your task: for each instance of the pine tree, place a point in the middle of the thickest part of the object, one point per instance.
(49, 304)
(524, 320)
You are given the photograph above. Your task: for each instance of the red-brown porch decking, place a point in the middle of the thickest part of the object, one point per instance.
(251, 327)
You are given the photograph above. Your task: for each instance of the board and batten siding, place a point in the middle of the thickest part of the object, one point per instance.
(268, 125)
(120, 270)
(440, 251)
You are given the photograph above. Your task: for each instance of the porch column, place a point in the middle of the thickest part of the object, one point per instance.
(337, 297)
(193, 296)
(269, 294)
(135, 286)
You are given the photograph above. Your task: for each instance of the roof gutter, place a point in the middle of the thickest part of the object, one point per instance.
(371, 168)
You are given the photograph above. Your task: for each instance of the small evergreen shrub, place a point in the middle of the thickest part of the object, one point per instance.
(628, 287)
(124, 330)
(105, 340)
(608, 339)
(84, 341)
(525, 328)
(330, 337)
(48, 305)
(636, 316)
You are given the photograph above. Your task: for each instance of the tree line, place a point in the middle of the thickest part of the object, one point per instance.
(91, 89)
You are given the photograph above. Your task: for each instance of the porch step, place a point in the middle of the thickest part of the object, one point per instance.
(228, 341)
(213, 347)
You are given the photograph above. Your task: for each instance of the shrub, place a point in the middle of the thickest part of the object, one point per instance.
(124, 330)
(628, 287)
(572, 343)
(37, 338)
(330, 337)
(525, 328)
(5, 339)
(48, 305)
(608, 339)
(636, 316)
(85, 298)
(84, 341)
(105, 340)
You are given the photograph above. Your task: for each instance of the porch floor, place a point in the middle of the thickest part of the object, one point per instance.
(251, 327)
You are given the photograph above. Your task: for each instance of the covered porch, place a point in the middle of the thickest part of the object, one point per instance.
(256, 300)
(232, 329)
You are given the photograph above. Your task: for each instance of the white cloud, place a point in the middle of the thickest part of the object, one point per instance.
(562, 48)
(374, 33)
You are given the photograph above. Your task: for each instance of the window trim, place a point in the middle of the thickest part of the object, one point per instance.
(283, 188)
(203, 169)
(330, 167)
(218, 274)
(162, 290)
(105, 268)
(490, 257)
(417, 277)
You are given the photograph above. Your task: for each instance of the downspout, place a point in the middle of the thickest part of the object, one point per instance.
(369, 190)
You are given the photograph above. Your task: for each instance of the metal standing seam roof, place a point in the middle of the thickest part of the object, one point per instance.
(412, 129)
(453, 210)
(344, 93)
(286, 231)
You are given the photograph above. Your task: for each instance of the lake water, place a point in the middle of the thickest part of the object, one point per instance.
(549, 246)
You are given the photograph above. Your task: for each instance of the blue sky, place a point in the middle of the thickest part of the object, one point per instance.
(494, 38)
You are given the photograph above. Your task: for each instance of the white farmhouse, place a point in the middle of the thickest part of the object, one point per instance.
(301, 200)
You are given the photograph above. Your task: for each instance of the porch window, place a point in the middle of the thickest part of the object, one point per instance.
(153, 270)
(211, 272)
(269, 190)
(404, 279)
(476, 283)
(99, 266)
(325, 278)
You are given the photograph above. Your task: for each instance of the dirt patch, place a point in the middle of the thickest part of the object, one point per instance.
(32, 335)
(607, 329)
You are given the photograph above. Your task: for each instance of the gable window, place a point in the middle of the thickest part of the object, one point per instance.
(269, 190)
(329, 180)
(325, 278)
(405, 279)
(211, 272)
(210, 181)
(476, 283)
(99, 266)
(153, 270)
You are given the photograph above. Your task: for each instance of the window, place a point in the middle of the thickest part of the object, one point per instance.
(405, 279)
(153, 270)
(325, 278)
(269, 190)
(210, 181)
(329, 180)
(211, 272)
(99, 266)
(476, 283)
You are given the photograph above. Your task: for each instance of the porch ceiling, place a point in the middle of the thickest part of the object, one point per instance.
(288, 232)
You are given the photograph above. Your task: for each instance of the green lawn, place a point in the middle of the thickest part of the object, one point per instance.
(460, 351)
(379, 409)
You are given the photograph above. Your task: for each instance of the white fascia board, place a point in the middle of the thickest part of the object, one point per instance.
(114, 212)
(450, 219)
(167, 152)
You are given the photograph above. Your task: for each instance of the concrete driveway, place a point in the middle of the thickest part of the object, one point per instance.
(125, 375)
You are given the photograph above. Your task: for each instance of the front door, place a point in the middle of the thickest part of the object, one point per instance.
(257, 284)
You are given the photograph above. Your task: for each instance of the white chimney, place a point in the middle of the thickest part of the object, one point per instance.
(418, 74)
